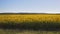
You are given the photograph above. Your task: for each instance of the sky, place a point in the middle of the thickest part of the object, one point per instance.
(30, 6)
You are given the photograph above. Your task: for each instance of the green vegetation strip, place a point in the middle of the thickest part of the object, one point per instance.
(31, 25)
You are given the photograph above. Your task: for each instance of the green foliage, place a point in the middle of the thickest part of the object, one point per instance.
(31, 25)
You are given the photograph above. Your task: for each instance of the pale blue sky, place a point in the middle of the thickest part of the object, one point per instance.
(29, 5)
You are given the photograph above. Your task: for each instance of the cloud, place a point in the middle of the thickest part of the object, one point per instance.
(43, 11)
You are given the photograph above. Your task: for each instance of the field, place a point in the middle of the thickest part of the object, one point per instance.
(27, 32)
(29, 17)
(49, 23)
